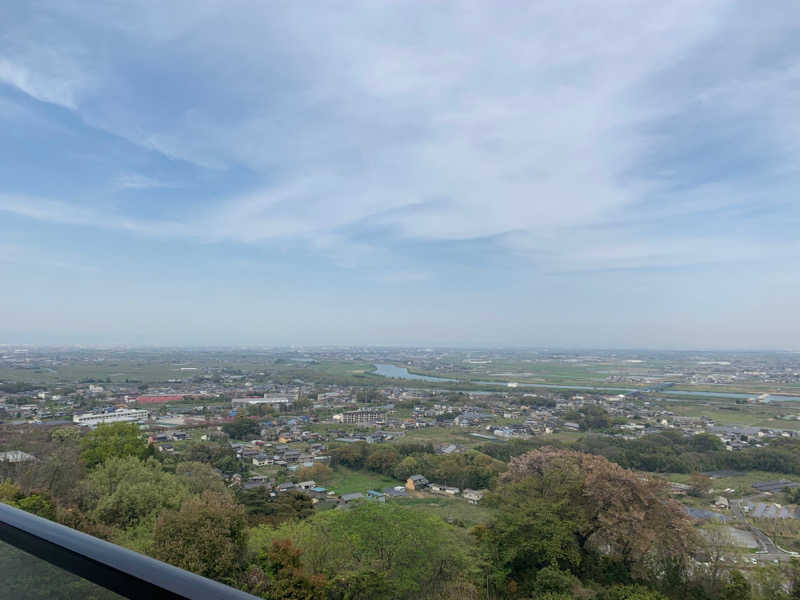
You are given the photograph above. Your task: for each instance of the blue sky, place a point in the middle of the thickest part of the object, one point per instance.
(613, 174)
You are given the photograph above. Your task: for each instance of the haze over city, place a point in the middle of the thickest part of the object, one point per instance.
(612, 174)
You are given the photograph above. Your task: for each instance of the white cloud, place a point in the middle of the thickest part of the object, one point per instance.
(429, 121)
(137, 181)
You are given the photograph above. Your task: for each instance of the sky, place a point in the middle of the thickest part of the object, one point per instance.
(618, 174)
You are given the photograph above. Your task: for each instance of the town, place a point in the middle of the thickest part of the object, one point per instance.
(433, 429)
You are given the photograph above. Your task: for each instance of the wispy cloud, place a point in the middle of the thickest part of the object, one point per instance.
(599, 136)
(136, 181)
(30, 256)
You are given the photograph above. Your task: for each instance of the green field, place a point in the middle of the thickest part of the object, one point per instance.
(443, 435)
(728, 413)
(450, 509)
(348, 481)
(740, 483)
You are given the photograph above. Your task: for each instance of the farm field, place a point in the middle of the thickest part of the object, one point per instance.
(742, 484)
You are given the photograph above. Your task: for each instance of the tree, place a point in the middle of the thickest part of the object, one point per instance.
(110, 440)
(705, 442)
(241, 428)
(9, 492)
(199, 477)
(610, 514)
(736, 588)
(595, 418)
(38, 504)
(552, 580)
(219, 455)
(382, 460)
(407, 467)
(317, 472)
(280, 574)
(769, 581)
(529, 534)
(63, 434)
(699, 485)
(629, 592)
(206, 536)
(718, 546)
(350, 455)
(419, 555)
(123, 492)
(263, 508)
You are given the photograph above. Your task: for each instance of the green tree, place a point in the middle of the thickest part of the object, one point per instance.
(10, 492)
(420, 555)
(317, 472)
(737, 587)
(113, 440)
(219, 455)
(700, 485)
(407, 467)
(241, 428)
(630, 592)
(263, 508)
(529, 534)
(382, 460)
(199, 477)
(577, 510)
(38, 504)
(63, 434)
(122, 492)
(280, 574)
(206, 536)
(553, 580)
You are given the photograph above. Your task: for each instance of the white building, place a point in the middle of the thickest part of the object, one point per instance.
(473, 496)
(277, 400)
(16, 456)
(121, 415)
(359, 416)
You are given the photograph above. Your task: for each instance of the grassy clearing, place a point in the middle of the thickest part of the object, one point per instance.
(443, 435)
(742, 484)
(752, 415)
(450, 509)
(348, 481)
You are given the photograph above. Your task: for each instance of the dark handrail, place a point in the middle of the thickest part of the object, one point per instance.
(113, 567)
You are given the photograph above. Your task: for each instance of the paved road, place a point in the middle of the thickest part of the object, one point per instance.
(769, 551)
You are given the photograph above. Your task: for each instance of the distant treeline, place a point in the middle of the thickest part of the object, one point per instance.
(671, 452)
(470, 469)
(18, 387)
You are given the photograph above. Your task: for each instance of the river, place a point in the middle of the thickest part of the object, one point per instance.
(387, 370)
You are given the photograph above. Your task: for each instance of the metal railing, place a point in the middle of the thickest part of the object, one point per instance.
(113, 567)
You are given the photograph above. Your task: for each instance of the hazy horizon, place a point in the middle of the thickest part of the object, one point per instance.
(599, 176)
(312, 348)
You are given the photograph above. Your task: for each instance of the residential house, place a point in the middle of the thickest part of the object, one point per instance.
(473, 496)
(416, 482)
(262, 460)
(348, 498)
(439, 488)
